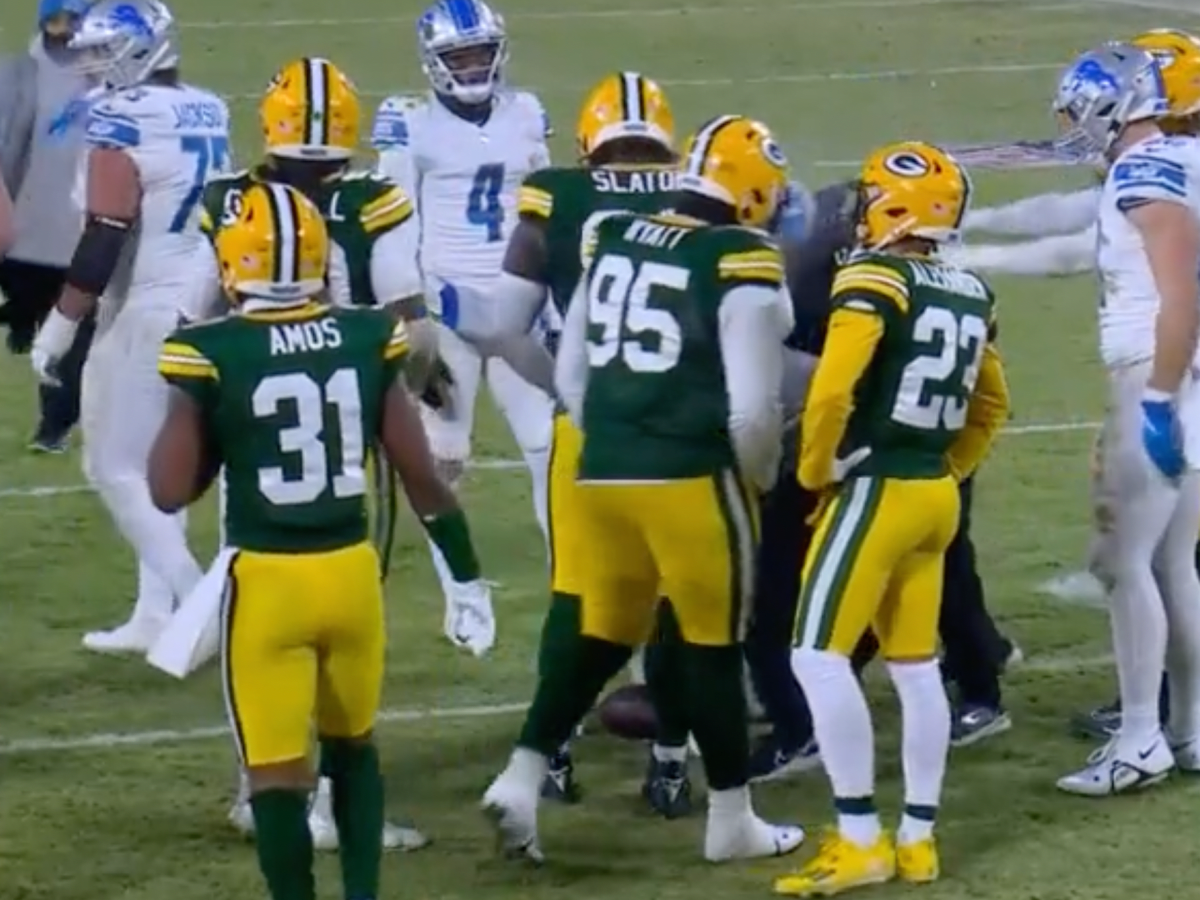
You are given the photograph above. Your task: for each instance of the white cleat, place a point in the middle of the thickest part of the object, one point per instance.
(324, 832)
(1077, 587)
(513, 813)
(1187, 755)
(241, 817)
(749, 837)
(1112, 770)
(135, 636)
(469, 622)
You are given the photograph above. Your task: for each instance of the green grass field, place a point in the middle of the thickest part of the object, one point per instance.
(114, 780)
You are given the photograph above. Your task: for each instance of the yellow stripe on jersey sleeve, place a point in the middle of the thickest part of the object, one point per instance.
(179, 360)
(386, 211)
(397, 345)
(207, 226)
(752, 265)
(534, 201)
(873, 280)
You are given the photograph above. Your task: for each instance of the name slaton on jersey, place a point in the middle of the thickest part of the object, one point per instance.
(305, 337)
(621, 181)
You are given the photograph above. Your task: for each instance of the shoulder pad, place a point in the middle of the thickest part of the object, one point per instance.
(745, 254)
(114, 123)
(531, 106)
(384, 204)
(873, 275)
(536, 196)
(393, 122)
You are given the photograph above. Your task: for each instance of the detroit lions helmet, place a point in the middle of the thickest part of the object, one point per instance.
(1105, 90)
(124, 42)
(463, 48)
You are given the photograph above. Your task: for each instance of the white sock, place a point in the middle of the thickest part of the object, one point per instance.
(528, 769)
(731, 803)
(1139, 632)
(664, 754)
(321, 804)
(154, 599)
(842, 727)
(925, 743)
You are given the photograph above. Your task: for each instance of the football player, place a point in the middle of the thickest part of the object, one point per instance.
(670, 365)
(1178, 57)
(152, 141)
(1110, 101)
(310, 118)
(461, 154)
(625, 140)
(303, 625)
(911, 389)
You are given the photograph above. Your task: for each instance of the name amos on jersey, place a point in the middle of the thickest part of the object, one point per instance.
(305, 337)
(643, 181)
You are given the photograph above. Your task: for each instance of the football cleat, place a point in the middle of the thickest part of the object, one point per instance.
(1187, 754)
(514, 816)
(135, 636)
(667, 788)
(747, 837)
(324, 829)
(974, 723)
(918, 863)
(559, 783)
(1101, 723)
(1114, 770)
(840, 865)
(771, 762)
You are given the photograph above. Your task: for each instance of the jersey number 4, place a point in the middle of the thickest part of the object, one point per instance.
(210, 155)
(620, 301)
(483, 202)
(932, 385)
(322, 465)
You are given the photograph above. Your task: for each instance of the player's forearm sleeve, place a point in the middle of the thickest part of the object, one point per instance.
(986, 413)
(1067, 254)
(849, 348)
(751, 336)
(395, 274)
(571, 365)
(1040, 216)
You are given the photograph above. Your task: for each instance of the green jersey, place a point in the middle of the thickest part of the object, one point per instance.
(564, 198)
(359, 208)
(656, 406)
(911, 403)
(291, 400)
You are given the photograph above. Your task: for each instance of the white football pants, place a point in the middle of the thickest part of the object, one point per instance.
(122, 406)
(1145, 556)
(528, 411)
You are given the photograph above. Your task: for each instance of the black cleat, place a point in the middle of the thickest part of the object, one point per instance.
(560, 780)
(973, 723)
(667, 788)
(1097, 724)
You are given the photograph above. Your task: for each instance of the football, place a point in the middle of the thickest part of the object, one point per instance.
(627, 713)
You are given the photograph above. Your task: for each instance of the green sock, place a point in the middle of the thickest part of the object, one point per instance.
(285, 850)
(574, 669)
(717, 713)
(358, 812)
(665, 679)
(560, 625)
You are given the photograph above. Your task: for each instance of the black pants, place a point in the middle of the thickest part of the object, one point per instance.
(974, 650)
(31, 291)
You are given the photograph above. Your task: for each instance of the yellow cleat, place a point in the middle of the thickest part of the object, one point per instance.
(918, 863)
(841, 865)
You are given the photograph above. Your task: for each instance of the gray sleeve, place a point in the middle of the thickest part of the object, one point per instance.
(18, 109)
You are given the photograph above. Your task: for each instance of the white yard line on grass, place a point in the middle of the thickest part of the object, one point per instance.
(110, 740)
(54, 490)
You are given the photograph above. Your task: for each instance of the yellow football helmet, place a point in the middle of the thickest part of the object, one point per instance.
(736, 160)
(624, 105)
(311, 111)
(1178, 56)
(276, 249)
(912, 189)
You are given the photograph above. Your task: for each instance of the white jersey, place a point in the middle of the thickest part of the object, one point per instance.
(1160, 169)
(177, 137)
(463, 177)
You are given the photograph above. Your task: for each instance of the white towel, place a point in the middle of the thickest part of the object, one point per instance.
(193, 636)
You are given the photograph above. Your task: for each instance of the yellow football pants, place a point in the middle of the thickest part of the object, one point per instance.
(568, 546)
(876, 562)
(692, 540)
(303, 642)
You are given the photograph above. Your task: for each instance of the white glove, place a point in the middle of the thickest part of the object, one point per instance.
(842, 467)
(470, 623)
(53, 340)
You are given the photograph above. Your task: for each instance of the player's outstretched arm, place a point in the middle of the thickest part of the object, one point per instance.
(404, 443)
(1068, 254)
(1039, 216)
(181, 467)
(987, 411)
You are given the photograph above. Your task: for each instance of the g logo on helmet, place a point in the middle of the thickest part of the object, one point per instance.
(772, 153)
(907, 164)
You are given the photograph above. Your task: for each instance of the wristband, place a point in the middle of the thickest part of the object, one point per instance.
(1150, 395)
(450, 533)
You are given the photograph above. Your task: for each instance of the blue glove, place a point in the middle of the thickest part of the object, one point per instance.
(1162, 437)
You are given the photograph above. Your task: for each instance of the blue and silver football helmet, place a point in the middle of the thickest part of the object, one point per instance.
(124, 42)
(463, 48)
(1102, 92)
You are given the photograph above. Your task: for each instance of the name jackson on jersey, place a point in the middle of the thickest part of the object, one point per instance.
(360, 208)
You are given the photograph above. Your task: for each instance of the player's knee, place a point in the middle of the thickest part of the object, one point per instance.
(292, 774)
(814, 666)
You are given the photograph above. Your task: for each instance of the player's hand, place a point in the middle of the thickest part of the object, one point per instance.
(438, 391)
(842, 467)
(53, 340)
(470, 623)
(1162, 435)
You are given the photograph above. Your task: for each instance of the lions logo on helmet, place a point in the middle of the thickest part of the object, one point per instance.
(912, 190)
(735, 160)
(124, 42)
(277, 248)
